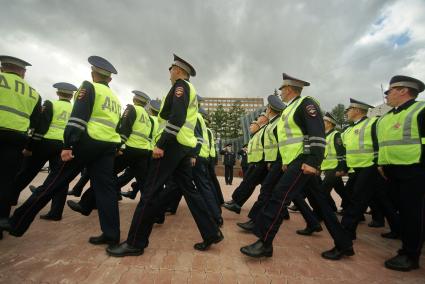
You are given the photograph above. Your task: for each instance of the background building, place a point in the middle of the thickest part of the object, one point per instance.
(248, 104)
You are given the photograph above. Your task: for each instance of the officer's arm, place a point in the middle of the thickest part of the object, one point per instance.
(375, 143)
(278, 158)
(35, 115)
(311, 120)
(125, 126)
(199, 139)
(421, 126)
(177, 117)
(80, 115)
(45, 118)
(340, 153)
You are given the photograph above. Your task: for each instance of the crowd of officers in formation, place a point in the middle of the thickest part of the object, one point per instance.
(170, 152)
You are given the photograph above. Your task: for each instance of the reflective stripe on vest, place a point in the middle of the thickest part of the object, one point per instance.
(61, 112)
(105, 115)
(205, 148)
(330, 160)
(17, 102)
(213, 152)
(398, 136)
(185, 134)
(358, 143)
(271, 147)
(290, 136)
(139, 137)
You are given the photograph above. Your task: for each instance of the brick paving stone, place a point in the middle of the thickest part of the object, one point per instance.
(59, 252)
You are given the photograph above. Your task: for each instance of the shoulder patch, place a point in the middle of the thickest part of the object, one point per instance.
(311, 110)
(179, 91)
(81, 93)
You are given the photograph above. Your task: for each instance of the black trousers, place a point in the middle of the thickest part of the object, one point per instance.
(11, 146)
(366, 184)
(201, 177)
(99, 157)
(255, 175)
(273, 175)
(228, 174)
(84, 179)
(136, 159)
(43, 151)
(176, 165)
(330, 181)
(410, 182)
(214, 180)
(291, 184)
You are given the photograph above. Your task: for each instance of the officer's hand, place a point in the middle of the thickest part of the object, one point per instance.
(284, 168)
(66, 155)
(340, 173)
(382, 173)
(157, 153)
(268, 166)
(26, 153)
(119, 153)
(308, 170)
(192, 162)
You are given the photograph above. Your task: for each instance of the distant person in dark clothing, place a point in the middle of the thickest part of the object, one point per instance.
(229, 162)
(244, 158)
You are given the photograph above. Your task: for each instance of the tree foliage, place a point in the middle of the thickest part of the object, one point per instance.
(227, 123)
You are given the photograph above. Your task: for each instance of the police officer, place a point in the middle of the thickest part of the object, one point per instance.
(20, 107)
(301, 138)
(90, 139)
(46, 145)
(171, 157)
(271, 157)
(257, 170)
(228, 162)
(401, 136)
(212, 161)
(135, 129)
(244, 158)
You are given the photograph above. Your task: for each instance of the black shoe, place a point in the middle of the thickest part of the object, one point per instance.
(129, 194)
(293, 208)
(50, 217)
(32, 188)
(5, 224)
(257, 249)
(340, 212)
(308, 231)
(336, 254)
(390, 235)
(247, 226)
(1, 235)
(286, 216)
(159, 219)
(233, 207)
(77, 207)
(124, 249)
(76, 194)
(231, 201)
(375, 224)
(170, 211)
(401, 263)
(102, 240)
(207, 243)
(220, 222)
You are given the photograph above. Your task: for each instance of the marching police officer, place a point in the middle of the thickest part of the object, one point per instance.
(228, 162)
(90, 139)
(171, 157)
(211, 165)
(301, 138)
(46, 145)
(401, 136)
(20, 107)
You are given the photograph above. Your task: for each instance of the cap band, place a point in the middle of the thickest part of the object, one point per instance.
(359, 106)
(65, 91)
(412, 85)
(292, 83)
(330, 120)
(182, 66)
(101, 71)
(14, 62)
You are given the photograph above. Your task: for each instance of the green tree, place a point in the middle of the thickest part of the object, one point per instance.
(339, 113)
(233, 120)
(219, 121)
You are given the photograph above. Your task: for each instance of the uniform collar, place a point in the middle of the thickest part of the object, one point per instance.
(293, 99)
(404, 106)
(360, 120)
(65, 100)
(330, 131)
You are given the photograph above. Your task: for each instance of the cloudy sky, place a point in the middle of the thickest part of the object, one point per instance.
(239, 47)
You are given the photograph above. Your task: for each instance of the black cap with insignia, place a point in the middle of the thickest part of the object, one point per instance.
(329, 117)
(275, 103)
(140, 96)
(102, 66)
(6, 59)
(358, 104)
(406, 81)
(183, 64)
(65, 88)
(292, 81)
(155, 105)
(229, 144)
